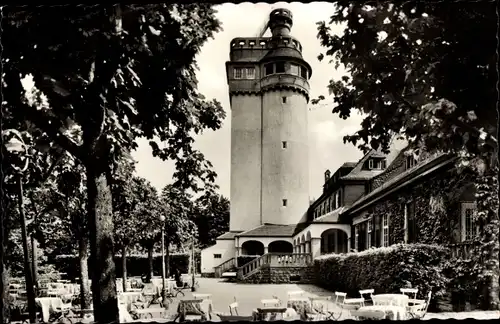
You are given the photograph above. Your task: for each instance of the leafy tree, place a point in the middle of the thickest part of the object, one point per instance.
(177, 206)
(132, 76)
(427, 71)
(136, 203)
(212, 215)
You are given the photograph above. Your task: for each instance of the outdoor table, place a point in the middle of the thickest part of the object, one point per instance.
(392, 312)
(273, 302)
(391, 299)
(268, 313)
(191, 307)
(202, 296)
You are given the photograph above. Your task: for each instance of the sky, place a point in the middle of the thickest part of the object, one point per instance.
(326, 130)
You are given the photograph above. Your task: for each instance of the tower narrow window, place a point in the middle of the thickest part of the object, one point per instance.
(280, 67)
(283, 144)
(238, 73)
(303, 72)
(250, 73)
(294, 69)
(283, 99)
(268, 69)
(284, 202)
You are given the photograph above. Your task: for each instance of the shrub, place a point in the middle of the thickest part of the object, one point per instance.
(385, 270)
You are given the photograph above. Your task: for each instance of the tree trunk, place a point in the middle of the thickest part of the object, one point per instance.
(101, 242)
(150, 261)
(167, 258)
(83, 255)
(4, 277)
(124, 267)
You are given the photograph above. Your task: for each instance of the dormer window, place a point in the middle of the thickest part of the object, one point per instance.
(327, 175)
(238, 73)
(250, 73)
(376, 164)
(410, 162)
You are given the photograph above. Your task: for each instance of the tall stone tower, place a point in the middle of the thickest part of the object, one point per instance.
(269, 92)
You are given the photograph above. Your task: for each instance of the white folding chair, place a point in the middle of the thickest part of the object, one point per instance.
(410, 291)
(367, 292)
(419, 310)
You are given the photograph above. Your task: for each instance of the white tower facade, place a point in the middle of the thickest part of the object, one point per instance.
(269, 92)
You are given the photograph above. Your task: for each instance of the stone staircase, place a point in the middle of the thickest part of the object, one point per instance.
(278, 268)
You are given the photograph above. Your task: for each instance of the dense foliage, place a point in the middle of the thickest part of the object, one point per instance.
(385, 270)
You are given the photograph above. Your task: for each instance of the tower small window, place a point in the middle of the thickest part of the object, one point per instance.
(284, 202)
(303, 72)
(268, 69)
(250, 73)
(238, 73)
(283, 99)
(280, 67)
(294, 69)
(283, 144)
(217, 256)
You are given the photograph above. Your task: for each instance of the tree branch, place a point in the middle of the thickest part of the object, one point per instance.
(44, 122)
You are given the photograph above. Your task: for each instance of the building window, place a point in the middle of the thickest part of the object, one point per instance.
(283, 144)
(369, 233)
(385, 230)
(280, 67)
(328, 205)
(283, 99)
(376, 164)
(238, 73)
(217, 256)
(410, 162)
(268, 69)
(284, 202)
(332, 202)
(469, 226)
(250, 73)
(337, 200)
(303, 72)
(370, 164)
(410, 223)
(294, 69)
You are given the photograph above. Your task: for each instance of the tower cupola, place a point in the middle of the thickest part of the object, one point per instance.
(280, 22)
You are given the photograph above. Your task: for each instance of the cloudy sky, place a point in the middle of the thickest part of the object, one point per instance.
(327, 150)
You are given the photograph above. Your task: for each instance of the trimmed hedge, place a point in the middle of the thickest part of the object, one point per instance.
(136, 265)
(244, 259)
(385, 270)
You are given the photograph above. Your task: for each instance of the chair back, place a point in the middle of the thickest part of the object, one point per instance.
(340, 295)
(427, 302)
(367, 292)
(409, 291)
(320, 304)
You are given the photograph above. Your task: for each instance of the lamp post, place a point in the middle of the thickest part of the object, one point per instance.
(193, 265)
(16, 144)
(163, 290)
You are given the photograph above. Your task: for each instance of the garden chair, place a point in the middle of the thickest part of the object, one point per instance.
(368, 314)
(410, 291)
(319, 308)
(364, 292)
(419, 310)
(178, 289)
(233, 314)
(348, 304)
(190, 310)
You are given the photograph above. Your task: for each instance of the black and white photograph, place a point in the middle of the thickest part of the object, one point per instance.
(249, 161)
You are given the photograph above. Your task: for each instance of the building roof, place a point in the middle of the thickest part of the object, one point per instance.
(401, 178)
(357, 173)
(228, 236)
(349, 164)
(331, 217)
(271, 230)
